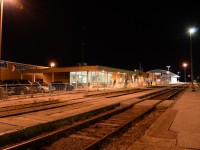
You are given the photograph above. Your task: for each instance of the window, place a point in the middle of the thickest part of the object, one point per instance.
(3, 64)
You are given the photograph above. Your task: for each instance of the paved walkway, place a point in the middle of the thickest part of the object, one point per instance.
(187, 121)
(177, 129)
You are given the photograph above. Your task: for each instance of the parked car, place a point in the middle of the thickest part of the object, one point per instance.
(43, 87)
(21, 86)
(1, 82)
(69, 87)
(60, 86)
(3, 94)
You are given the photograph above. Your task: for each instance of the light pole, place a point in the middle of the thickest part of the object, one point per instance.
(1, 27)
(1, 19)
(52, 64)
(191, 31)
(168, 67)
(185, 65)
(168, 73)
(178, 76)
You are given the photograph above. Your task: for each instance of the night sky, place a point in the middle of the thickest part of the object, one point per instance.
(120, 34)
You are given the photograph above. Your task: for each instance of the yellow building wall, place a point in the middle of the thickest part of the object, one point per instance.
(63, 77)
(9, 73)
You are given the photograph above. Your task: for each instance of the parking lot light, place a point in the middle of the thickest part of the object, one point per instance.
(52, 65)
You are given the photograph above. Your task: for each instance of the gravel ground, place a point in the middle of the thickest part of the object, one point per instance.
(121, 142)
(125, 140)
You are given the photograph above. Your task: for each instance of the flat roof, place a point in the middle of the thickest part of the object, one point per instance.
(79, 68)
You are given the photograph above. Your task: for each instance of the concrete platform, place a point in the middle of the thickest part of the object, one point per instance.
(177, 129)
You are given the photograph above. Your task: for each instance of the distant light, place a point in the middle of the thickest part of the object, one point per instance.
(192, 30)
(184, 64)
(52, 64)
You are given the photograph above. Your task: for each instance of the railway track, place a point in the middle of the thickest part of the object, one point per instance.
(171, 92)
(113, 93)
(92, 133)
(53, 104)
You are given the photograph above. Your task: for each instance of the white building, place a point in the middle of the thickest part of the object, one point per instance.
(158, 76)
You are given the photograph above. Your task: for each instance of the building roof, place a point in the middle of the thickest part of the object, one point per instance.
(79, 68)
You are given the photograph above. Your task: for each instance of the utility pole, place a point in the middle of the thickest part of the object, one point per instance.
(83, 45)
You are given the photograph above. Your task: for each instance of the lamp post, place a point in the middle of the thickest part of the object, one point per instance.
(191, 31)
(168, 73)
(178, 76)
(168, 67)
(185, 65)
(52, 64)
(1, 27)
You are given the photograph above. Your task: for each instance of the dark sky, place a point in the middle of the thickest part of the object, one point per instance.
(120, 34)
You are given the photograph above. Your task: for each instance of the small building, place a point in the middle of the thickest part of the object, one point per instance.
(158, 77)
(84, 76)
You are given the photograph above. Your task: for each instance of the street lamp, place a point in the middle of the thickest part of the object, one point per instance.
(185, 65)
(52, 65)
(178, 76)
(168, 67)
(168, 73)
(191, 31)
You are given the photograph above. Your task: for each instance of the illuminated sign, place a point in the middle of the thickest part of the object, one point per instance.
(23, 67)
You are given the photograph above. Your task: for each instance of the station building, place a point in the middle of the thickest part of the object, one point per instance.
(86, 76)
(159, 77)
(81, 76)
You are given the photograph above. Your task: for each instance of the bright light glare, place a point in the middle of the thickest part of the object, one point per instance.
(52, 64)
(184, 64)
(16, 3)
(192, 30)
